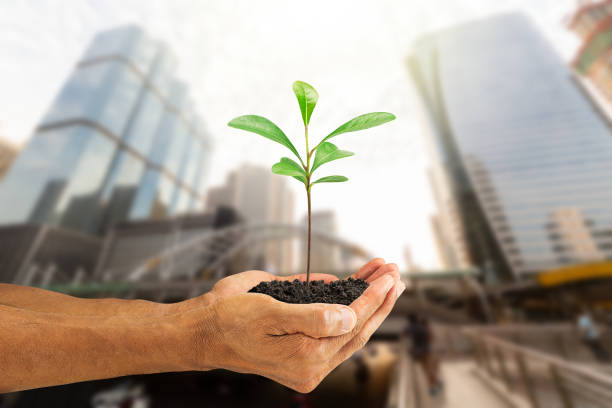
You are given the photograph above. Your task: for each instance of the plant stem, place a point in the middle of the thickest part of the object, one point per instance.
(309, 207)
(308, 259)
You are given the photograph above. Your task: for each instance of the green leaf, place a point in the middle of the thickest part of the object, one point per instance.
(287, 167)
(327, 152)
(362, 122)
(263, 127)
(300, 178)
(307, 97)
(330, 179)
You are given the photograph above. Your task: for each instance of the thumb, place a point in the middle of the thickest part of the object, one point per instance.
(317, 319)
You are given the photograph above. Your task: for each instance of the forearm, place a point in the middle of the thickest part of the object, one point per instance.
(40, 300)
(43, 349)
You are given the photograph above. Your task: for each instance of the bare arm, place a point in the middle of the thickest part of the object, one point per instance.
(43, 349)
(295, 345)
(41, 300)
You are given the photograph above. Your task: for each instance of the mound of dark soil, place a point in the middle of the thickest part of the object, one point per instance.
(341, 291)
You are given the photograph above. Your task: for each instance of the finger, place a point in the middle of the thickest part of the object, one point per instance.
(390, 268)
(364, 306)
(373, 297)
(316, 319)
(369, 327)
(313, 277)
(366, 270)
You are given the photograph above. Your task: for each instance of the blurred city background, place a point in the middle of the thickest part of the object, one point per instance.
(492, 190)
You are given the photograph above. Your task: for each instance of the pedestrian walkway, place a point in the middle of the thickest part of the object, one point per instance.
(463, 389)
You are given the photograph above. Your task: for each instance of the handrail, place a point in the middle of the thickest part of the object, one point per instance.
(572, 384)
(544, 357)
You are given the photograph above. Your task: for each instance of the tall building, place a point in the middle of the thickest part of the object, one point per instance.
(592, 24)
(260, 197)
(8, 152)
(120, 142)
(520, 156)
(325, 258)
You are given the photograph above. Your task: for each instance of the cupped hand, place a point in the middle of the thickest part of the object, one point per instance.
(295, 345)
(243, 282)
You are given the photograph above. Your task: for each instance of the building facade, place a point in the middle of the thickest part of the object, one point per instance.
(592, 24)
(120, 142)
(260, 197)
(8, 152)
(516, 148)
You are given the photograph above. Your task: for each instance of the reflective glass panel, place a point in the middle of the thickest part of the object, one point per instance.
(103, 93)
(57, 177)
(120, 190)
(129, 42)
(141, 132)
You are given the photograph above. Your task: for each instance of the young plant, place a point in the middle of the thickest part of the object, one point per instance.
(323, 152)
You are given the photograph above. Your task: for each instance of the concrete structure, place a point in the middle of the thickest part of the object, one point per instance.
(512, 139)
(570, 231)
(260, 196)
(592, 24)
(8, 152)
(120, 142)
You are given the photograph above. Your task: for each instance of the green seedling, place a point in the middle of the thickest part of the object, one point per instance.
(324, 151)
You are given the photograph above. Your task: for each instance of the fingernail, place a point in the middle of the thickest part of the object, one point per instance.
(399, 289)
(348, 319)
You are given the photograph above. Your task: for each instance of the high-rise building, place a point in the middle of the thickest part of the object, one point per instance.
(513, 140)
(592, 23)
(259, 196)
(120, 142)
(8, 152)
(324, 257)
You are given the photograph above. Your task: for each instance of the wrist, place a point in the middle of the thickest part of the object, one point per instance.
(199, 338)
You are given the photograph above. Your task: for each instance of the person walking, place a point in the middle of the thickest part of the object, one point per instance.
(422, 338)
(591, 336)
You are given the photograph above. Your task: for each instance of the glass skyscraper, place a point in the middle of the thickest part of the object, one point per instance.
(120, 142)
(522, 161)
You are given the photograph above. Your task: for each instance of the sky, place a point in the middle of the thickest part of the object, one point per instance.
(241, 57)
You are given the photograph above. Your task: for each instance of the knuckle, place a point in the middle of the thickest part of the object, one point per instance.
(301, 388)
(308, 386)
(361, 340)
(321, 317)
(304, 348)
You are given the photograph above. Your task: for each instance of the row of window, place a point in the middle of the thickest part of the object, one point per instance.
(76, 177)
(120, 142)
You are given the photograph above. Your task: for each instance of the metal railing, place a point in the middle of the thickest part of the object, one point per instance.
(187, 257)
(561, 339)
(539, 379)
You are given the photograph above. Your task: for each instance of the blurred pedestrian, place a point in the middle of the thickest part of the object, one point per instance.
(362, 378)
(421, 350)
(590, 335)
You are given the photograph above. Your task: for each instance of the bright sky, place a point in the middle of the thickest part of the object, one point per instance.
(241, 56)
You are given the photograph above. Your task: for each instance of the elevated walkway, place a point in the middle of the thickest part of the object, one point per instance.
(481, 367)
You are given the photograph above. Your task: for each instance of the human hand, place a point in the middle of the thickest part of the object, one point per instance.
(243, 282)
(295, 345)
